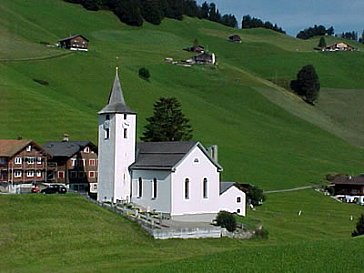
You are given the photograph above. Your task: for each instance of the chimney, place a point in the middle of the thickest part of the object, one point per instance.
(213, 152)
(66, 138)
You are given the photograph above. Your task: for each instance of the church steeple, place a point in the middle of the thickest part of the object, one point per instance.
(116, 102)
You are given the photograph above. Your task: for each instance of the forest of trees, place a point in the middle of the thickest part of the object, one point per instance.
(135, 12)
(252, 22)
(316, 30)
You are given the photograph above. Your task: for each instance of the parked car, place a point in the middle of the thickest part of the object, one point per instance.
(35, 189)
(54, 189)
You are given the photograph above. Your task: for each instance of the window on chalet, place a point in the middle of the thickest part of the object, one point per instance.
(60, 174)
(18, 160)
(29, 148)
(125, 133)
(140, 187)
(187, 188)
(92, 162)
(204, 188)
(39, 160)
(154, 188)
(30, 160)
(238, 199)
(73, 162)
(92, 174)
(30, 173)
(17, 174)
(38, 173)
(86, 150)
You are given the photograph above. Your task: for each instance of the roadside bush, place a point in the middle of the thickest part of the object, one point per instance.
(144, 73)
(227, 220)
(359, 227)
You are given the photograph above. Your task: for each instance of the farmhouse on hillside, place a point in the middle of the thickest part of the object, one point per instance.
(179, 179)
(75, 42)
(203, 58)
(339, 47)
(73, 163)
(235, 38)
(349, 185)
(21, 162)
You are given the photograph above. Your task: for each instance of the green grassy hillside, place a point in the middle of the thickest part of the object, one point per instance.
(41, 233)
(259, 141)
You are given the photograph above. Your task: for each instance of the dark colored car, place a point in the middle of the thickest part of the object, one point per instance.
(54, 189)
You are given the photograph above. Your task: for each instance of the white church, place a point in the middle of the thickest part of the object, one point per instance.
(179, 179)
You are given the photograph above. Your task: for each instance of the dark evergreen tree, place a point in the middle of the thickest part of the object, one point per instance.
(229, 20)
(252, 22)
(190, 8)
(128, 12)
(168, 123)
(322, 43)
(151, 11)
(314, 31)
(359, 227)
(174, 9)
(307, 84)
(330, 31)
(204, 11)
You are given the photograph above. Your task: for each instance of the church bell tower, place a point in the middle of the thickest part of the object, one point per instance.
(117, 137)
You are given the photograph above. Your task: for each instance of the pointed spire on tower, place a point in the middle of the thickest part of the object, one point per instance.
(116, 102)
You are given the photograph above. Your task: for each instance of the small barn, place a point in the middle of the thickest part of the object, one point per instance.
(204, 58)
(75, 42)
(235, 38)
(339, 47)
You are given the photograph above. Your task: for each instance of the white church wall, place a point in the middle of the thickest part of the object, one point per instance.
(195, 167)
(124, 154)
(106, 164)
(162, 200)
(233, 200)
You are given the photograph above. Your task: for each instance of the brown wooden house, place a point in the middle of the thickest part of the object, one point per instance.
(235, 38)
(349, 185)
(22, 162)
(74, 42)
(73, 163)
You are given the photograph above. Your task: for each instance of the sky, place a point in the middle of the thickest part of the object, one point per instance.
(296, 15)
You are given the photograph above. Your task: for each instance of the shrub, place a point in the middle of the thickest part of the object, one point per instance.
(359, 227)
(261, 233)
(227, 220)
(144, 73)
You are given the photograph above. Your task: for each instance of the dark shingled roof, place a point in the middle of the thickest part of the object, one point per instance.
(116, 103)
(73, 36)
(224, 186)
(163, 155)
(349, 180)
(66, 148)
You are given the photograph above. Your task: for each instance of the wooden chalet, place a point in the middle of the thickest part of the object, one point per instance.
(234, 38)
(73, 163)
(75, 42)
(22, 162)
(339, 47)
(204, 58)
(348, 185)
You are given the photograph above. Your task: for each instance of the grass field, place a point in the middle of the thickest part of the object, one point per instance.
(41, 233)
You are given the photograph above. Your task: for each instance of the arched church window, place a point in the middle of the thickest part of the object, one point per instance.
(187, 188)
(204, 188)
(154, 188)
(140, 187)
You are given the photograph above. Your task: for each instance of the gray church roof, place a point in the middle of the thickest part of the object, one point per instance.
(116, 103)
(164, 155)
(224, 186)
(66, 148)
